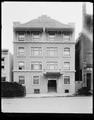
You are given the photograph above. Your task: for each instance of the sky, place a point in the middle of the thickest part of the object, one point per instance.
(64, 12)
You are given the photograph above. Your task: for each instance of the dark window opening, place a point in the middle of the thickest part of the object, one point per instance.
(3, 79)
(66, 91)
(36, 91)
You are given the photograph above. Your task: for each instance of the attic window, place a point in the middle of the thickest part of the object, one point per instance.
(52, 36)
(21, 36)
(36, 35)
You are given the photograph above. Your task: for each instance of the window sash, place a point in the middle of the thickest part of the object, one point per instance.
(21, 51)
(52, 66)
(36, 51)
(66, 65)
(66, 37)
(35, 79)
(67, 80)
(36, 91)
(51, 51)
(36, 66)
(21, 37)
(67, 51)
(21, 79)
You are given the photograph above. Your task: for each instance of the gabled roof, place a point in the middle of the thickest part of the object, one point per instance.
(41, 22)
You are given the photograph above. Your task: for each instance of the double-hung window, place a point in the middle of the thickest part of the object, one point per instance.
(52, 51)
(51, 36)
(36, 51)
(21, 51)
(66, 37)
(66, 51)
(35, 80)
(21, 80)
(66, 79)
(36, 36)
(52, 65)
(66, 65)
(21, 36)
(36, 66)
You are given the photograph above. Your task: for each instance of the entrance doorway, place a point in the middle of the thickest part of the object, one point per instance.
(52, 86)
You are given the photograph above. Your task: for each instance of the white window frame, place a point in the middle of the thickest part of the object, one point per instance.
(21, 53)
(38, 49)
(68, 50)
(36, 63)
(34, 78)
(22, 79)
(36, 36)
(67, 68)
(66, 82)
(51, 36)
(54, 64)
(66, 37)
(21, 36)
(52, 49)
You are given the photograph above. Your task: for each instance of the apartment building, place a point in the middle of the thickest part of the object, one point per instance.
(44, 56)
(6, 66)
(84, 53)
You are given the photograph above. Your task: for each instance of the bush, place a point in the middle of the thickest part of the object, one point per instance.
(12, 89)
(83, 91)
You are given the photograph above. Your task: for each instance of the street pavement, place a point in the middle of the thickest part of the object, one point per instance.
(47, 105)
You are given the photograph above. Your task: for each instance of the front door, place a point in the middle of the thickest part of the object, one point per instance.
(52, 86)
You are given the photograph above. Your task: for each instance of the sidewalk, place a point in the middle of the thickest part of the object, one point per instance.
(47, 95)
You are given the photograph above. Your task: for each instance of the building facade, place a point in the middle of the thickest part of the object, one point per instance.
(6, 66)
(44, 56)
(84, 53)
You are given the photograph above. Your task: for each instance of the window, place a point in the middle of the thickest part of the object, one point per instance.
(66, 37)
(21, 79)
(36, 66)
(21, 66)
(21, 51)
(66, 91)
(51, 36)
(36, 36)
(66, 51)
(52, 66)
(36, 91)
(36, 51)
(36, 80)
(3, 79)
(67, 65)
(2, 59)
(66, 79)
(51, 51)
(2, 66)
(21, 36)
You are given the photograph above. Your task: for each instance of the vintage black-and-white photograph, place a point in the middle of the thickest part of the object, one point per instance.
(47, 57)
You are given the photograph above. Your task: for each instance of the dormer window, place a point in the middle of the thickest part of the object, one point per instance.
(36, 36)
(66, 36)
(21, 36)
(51, 36)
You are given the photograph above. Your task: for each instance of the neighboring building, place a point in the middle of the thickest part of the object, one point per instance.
(84, 53)
(6, 66)
(44, 56)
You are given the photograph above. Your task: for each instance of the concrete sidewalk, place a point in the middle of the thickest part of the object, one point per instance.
(47, 95)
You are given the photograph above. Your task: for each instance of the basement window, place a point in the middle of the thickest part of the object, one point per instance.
(66, 91)
(36, 91)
